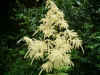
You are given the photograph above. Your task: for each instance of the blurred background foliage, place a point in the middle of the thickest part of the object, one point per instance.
(23, 18)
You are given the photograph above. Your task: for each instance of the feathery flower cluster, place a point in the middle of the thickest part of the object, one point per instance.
(56, 52)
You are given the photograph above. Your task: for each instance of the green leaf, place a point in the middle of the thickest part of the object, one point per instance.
(98, 65)
(22, 52)
(84, 60)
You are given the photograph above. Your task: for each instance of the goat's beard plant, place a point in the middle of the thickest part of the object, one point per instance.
(57, 43)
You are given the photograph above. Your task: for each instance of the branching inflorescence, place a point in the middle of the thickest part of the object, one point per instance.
(56, 51)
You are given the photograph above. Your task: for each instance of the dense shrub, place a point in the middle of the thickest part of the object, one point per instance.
(82, 15)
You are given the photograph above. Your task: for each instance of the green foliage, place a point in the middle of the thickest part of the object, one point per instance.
(84, 18)
(24, 22)
(28, 19)
(82, 15)
(58, 74)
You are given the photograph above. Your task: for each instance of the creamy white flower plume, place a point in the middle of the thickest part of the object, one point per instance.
(56, 51)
